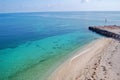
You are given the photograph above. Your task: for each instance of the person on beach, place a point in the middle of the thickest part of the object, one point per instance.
(105, 20)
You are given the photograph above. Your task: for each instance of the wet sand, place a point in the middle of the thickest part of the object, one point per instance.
(99, 60)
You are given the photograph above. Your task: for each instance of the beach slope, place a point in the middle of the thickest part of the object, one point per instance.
(97, 61)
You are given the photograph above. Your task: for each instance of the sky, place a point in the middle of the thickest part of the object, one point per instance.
(7, 6)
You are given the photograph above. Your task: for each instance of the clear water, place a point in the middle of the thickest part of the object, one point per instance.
(31, 44)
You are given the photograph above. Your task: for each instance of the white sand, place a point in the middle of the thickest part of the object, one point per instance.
(97, 61)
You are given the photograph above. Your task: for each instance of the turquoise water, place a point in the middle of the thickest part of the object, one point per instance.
(31, 44)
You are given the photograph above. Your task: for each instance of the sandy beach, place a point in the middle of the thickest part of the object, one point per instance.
(99, 60)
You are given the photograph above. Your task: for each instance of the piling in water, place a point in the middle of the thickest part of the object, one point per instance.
(105, 32)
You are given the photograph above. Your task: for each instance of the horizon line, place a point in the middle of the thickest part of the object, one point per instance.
(59, 11)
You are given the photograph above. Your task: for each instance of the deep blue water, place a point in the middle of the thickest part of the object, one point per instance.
(32, 43)
(17, 28)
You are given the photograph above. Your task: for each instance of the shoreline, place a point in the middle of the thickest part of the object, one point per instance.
(65, 59)
(74, 67)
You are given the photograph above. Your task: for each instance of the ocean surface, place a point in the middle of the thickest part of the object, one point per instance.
(32, 44)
